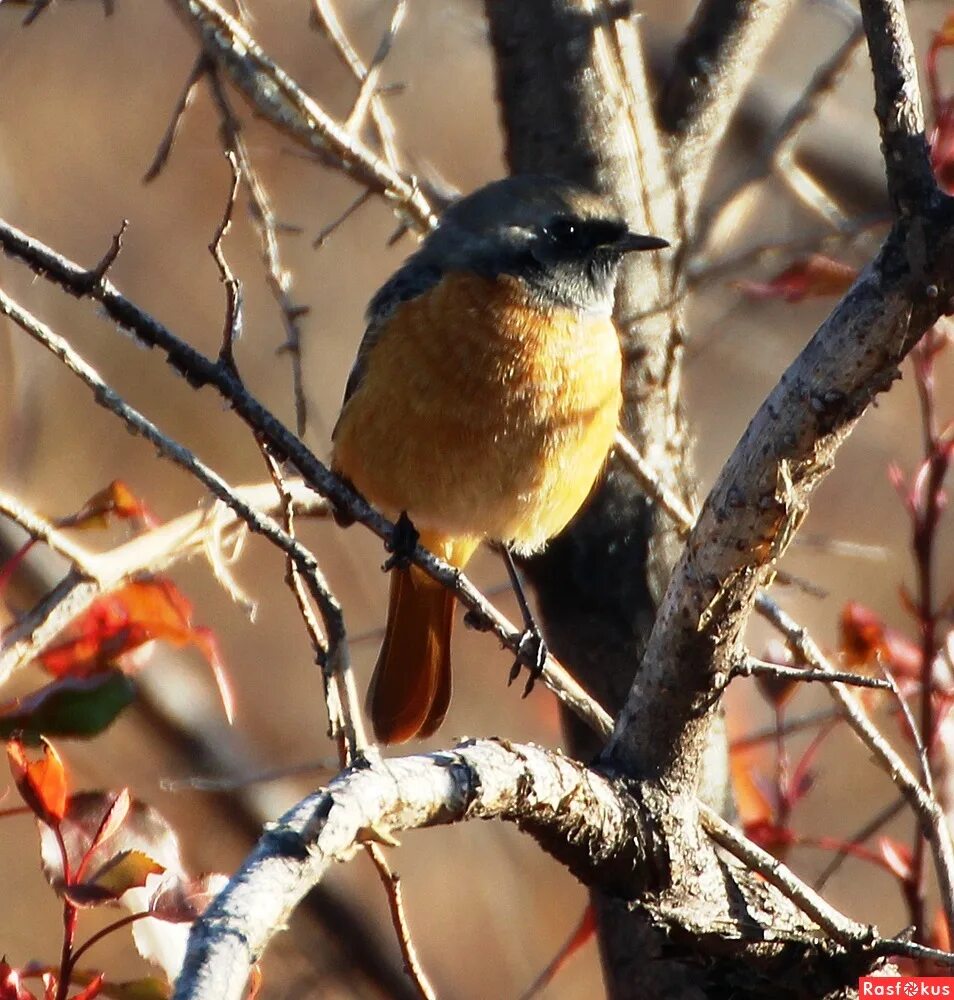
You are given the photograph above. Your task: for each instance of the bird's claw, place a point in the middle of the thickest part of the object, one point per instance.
(532, 651)
(402, 544)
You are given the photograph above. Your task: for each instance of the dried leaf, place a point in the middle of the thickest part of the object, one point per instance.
(41, 783)
(124, 871)
(116, 500)
(812, 277)
(117, 623)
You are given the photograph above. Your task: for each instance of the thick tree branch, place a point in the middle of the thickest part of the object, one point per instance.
(712, 67)
(911, 185)
(589, 823)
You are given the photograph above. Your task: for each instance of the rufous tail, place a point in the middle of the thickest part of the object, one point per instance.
(411, 686)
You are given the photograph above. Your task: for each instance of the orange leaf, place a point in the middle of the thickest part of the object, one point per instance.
(751, 802)
(116, 500)
(126, 619)
(812, 277)
(41, 783)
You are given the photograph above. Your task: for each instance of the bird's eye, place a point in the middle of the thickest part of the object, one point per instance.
(564, 231)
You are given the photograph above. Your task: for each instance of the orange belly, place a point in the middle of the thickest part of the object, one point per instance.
(481, 416)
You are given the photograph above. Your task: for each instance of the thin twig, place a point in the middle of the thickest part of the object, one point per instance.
(808, 721)
(232, 329)
(344, 714)
(325, 19)
(835, 924)
(369, 84)
(277, 276)
(753, 667)
(868, 830)
(283, 102)
(925, 806)
(779, 145)
(107, 397)
(43, 531)
(652, 483)
(392, 888)
(199, 68)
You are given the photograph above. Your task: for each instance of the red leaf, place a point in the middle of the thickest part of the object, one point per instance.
(865, 638)
(116, 500)
(942, 135)
(11, 986)
(128, 618)
(41, 783)
(143, 832)
(896, 856)
(92, 990)
(812, 277)
(180, 900)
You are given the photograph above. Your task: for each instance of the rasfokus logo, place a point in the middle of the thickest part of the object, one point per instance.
(906, 986)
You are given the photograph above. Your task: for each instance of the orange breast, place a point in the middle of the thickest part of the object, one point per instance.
(481, 415)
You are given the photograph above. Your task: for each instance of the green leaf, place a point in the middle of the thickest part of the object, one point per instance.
(78, 707)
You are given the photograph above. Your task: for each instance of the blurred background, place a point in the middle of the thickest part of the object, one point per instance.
(84, 101)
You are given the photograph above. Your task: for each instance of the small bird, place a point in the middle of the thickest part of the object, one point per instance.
(483, 404)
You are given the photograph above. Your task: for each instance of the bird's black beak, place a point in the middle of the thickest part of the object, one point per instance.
(629, 242)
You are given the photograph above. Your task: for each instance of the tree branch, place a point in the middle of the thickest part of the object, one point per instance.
(588, 822)
(281, 101)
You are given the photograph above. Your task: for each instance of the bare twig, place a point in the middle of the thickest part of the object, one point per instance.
(232, 329)
(343, 217)
(369, 84)
(868, 830)
(652, 483)
(752, 667)
(392, 887)
(277, 277)
(344, 714)
(199, 68)
(22, 650)
(43, 531)
(809, 720)
(279, 99)
(837, 926)
(325, 19)
(779, 145)
(925, 805)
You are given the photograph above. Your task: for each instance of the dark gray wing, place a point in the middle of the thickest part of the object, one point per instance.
(413, 278)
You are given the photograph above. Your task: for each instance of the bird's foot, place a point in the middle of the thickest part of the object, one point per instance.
(402, 544)
(531, 651)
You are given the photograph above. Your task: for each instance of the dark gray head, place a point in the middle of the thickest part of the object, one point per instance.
(564, 241)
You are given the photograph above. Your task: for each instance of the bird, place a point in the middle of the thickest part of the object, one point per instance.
(482, 405)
